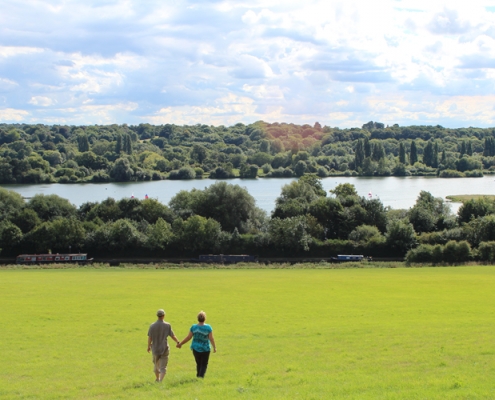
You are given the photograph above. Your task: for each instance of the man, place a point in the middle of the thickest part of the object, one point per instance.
(157, 342)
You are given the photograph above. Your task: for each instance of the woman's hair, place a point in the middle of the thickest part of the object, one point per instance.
(201, 316)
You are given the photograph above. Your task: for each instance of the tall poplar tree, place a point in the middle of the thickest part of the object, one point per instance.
(435, 156)
(367, 148)
(428, 154)
(469, 149)
(118, 145)
(413, 156)
(359, 155)
(83, 143)
(378, 151)
(402, 153)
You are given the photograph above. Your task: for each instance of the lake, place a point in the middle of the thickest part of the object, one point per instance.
(396, 192)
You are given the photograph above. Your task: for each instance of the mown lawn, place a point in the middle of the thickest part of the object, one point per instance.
(425, 333)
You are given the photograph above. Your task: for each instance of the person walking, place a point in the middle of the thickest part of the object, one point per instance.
(202, 336)
(158, 333)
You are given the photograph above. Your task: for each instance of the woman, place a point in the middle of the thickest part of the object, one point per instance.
(202, 336)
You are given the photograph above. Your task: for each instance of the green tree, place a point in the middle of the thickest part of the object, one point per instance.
(199, 153)
(296, 197)
(159, 235)
(260, 158)
(402, 153)
(367, 148)
(152, 210)
(26, 219)
(11, 203)
(53, 157)
(435, 156)
(10, 235)
(480, 229)
(183, 174)
(364, 234)
(122, 171)
(328, 212)
(124, 235)
(248, 171)
(197, 233)
(413, 155)
(51, 206)
(400, 235)
(467, 163)
(91, 160)
(231, 205)
(6, 172)
(475, 208)
(378, 151)
(486, 251)
(428, 154)
(118, 144)
(57, 235)
(429, 213)
(290, 234)
(82, 142)
(107, 210)
(489, 147)
(359, 154)
(344, 190)
(127, 144)
(457, 252)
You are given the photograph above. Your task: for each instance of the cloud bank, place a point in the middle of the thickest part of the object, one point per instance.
(341, 63)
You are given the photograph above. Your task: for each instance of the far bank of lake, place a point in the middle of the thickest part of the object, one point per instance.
(396, 192)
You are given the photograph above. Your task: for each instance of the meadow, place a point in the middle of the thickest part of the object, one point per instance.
(396, 333)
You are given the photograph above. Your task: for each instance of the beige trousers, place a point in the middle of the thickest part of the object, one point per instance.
(160, 362)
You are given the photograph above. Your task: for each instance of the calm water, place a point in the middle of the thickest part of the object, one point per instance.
(396, 192)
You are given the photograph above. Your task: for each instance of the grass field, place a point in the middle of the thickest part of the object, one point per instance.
(423, 333)
(462, 198)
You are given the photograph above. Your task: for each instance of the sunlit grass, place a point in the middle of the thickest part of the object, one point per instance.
(299, 333)
(462, 198)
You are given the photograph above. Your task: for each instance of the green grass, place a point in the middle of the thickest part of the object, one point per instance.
(404, 333)
(462, 198)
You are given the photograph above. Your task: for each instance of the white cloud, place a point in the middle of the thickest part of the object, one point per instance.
(12, 115)
(339, 62)
(7, 85)
(265, 92)
(13, 51)
(41, 101)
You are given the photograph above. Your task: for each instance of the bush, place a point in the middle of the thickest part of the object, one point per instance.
(221, 173)
(486, 252)
(266, 168)
(183, 173)
(421, 254)
(456, 252)
(450, 173)
(199, 172)
(100, 177)
(474, 174)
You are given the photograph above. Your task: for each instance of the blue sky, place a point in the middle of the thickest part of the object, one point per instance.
(342, 63)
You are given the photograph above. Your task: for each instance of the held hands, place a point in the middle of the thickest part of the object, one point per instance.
(178, 345)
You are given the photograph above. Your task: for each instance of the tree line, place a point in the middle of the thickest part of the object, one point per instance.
(224, 218)
(104, 153)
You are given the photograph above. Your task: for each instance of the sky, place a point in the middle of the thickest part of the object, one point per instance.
(341, 63)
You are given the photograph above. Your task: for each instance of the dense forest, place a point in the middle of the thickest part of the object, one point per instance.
(223, 218)
(104, 153)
